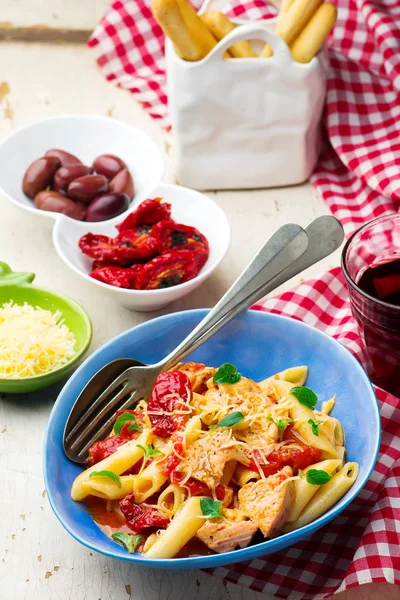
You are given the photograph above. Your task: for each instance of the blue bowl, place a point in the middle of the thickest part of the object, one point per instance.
(259, 344)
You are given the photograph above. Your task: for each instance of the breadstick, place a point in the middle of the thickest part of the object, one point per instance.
(286, 4)
(188, 46)
(220, 26)
(198, 29)
(311, 39)
(293, 21)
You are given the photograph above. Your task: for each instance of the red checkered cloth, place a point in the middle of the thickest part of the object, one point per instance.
(358, 176)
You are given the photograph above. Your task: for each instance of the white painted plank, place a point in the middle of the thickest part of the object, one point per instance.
(60, 14)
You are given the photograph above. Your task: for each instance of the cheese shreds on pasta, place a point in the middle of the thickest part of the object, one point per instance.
(33, 341)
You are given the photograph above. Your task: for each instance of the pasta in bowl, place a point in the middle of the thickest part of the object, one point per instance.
(259, 344)
(215, 462)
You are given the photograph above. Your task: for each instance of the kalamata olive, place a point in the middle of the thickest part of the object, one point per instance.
(65, 175)
(107, 206)
(123, 183)
(55, 202)
(39, 175)
(108, 165)
(65, 158)
(87, 187)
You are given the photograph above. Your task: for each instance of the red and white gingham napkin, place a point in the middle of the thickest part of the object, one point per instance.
(358, 176)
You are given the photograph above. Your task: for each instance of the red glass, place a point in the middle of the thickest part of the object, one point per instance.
(373, 245)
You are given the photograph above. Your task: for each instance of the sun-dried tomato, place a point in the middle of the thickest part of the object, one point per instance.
(167, 270)
(196, 487)
(118, 276)
(297, 458)
(172, 391)
(136, 244)
(104, 448)
(175, 236)
(99, 247)
(137, 419)
(170, 463)
(141, 516)
(148, 212)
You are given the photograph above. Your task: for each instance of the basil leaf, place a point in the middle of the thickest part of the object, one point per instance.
(230, 420)
(130, 542)
(122, 419)
(148, 452)
(305, 396)
(281, 425)
(314, 426)
(134, 427)
(109, 474)
(210, 508)
(227, 373)
(318, 477)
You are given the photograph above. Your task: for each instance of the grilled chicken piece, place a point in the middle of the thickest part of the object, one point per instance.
(198, 374)
(206, 458)
(245, 395)
(268, 501)
(220, 536)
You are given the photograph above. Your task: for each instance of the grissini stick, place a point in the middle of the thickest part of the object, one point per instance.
(283, 9)
(220, 26)
(314, 34)
(198, 29)
(293, 21)
(188, 46)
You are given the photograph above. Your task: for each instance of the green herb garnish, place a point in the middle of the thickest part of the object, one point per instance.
(148, 452)
(227, 373)
(229, 421)
(211, 508)
(318, 477)
(281, 425)
(109, 474)
(305, 396)
(122, 419)
(130, 542)
(314, 426)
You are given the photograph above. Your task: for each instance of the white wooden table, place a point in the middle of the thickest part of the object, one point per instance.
(38, 559)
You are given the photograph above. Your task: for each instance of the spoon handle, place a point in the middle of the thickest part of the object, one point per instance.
(286, 245)
(288, 252)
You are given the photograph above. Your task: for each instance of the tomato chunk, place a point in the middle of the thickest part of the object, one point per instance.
(170, 236)
(172, 391)
(196, 487)
(141, 516)
(136, 244)
(297, 458)
(147, 213)
(103, 448)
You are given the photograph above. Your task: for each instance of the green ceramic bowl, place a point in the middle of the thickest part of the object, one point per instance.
(16, 287)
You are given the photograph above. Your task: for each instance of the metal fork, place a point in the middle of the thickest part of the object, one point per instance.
(123, 382)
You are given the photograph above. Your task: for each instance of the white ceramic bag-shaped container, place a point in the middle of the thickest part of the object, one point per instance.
(248, 122)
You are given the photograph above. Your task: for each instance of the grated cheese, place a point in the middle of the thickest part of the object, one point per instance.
(33, 341)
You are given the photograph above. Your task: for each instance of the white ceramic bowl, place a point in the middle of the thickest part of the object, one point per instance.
(188, 207)
(86, 136)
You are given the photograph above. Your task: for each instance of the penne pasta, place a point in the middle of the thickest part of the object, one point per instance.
(120, 461)
(243, 475)
(328, 405)
(104, 487)
(171, 499)
(183, 527)
(148, 482)
(294, 375)
(304, 491)
(327, 496)
(302, 415)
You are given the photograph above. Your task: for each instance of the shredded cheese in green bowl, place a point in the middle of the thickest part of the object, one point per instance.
(42, 334)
